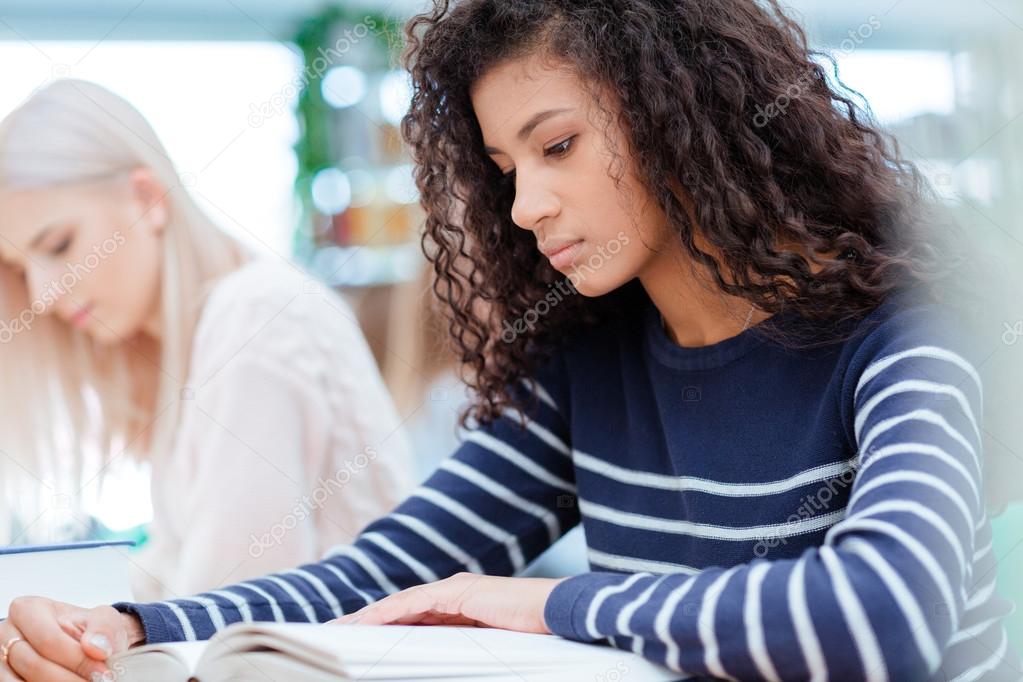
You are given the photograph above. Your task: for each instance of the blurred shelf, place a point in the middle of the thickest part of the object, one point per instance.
(366, 266)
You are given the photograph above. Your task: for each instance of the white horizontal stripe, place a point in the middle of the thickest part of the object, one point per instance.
(213, 609)
(367, 564)
(275, 609)
(320, 587)
(982, 552)
(296, 596)
(543, 434)
(541, 393)
(803, 624)
(662, 624)
(507, 452)
(705, 624)
(930, 417)
(422, 571)
(480, 524)
(243, 606)
(431, 535)
(982, 594)
(914, 477)
(911, 385)
(703, 530)
(632, 565)
(915, 618)
(505, 494)
(931, 451)
(753, 619)
(365, 596)
(855, 617)
(933, 352)
(974, 630)
(601, 596)
(186, 626)
(916, 548)
(704, 485)
(987, 666)
(625, 615)
(917, 509)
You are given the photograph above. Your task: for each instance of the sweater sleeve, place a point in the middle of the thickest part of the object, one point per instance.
(505, 495)
(882, 596)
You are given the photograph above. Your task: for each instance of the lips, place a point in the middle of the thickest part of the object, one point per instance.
(562, 255)
(80, 316)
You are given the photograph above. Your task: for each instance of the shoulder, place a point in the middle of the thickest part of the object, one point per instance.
(256, 283)
(907, 338)
(273, 311)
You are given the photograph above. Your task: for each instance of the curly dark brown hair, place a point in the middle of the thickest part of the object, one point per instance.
(693, 82)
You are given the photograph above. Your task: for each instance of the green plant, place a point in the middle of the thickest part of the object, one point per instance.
(313, 148)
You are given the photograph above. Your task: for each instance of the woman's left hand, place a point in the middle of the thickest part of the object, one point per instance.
(464, 599)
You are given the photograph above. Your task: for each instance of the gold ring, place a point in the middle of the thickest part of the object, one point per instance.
(5, 649)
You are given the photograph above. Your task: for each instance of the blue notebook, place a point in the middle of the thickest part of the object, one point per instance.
(82, 573)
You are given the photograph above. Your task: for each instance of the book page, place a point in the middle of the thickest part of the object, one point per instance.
(169, 662)
(413, 652)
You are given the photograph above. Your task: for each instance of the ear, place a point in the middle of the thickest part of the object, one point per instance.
(151, 198)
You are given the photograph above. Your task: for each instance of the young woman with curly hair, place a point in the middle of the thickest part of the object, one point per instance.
(715, 338)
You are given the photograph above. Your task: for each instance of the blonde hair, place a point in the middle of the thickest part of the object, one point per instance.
(69, 403)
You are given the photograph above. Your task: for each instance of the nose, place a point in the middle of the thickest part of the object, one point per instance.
(534, 202)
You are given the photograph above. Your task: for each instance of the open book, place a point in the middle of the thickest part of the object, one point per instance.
(266, 652)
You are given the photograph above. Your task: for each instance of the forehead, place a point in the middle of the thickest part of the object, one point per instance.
(26, 212)
(509, 93)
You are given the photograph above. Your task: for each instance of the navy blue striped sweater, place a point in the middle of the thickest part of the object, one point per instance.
(750, 511)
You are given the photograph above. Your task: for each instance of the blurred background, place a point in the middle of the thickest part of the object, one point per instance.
(283, 119)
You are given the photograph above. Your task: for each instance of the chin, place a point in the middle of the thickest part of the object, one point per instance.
(108, 334)
(592, 285)
(104, 337)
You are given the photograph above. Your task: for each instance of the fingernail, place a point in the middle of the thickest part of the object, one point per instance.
(102, 643)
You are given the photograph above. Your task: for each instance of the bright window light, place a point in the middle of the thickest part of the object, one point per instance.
(222, 109)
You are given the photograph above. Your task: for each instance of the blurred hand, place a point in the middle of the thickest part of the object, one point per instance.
(464, 599)
(61, 642)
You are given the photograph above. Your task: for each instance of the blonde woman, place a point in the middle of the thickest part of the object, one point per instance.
(131, 323)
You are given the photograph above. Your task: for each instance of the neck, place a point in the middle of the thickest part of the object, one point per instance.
(695, 314)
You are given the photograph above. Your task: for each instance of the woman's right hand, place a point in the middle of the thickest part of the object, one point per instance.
(63, 643)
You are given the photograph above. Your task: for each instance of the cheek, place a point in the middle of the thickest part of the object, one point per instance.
(127, 282)
(622, 239)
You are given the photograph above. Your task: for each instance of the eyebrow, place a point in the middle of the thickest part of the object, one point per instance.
(41, 236)
(35, 241)
(529, 126)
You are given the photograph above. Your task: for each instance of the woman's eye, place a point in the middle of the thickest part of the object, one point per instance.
(559, 149)
(62, 247)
